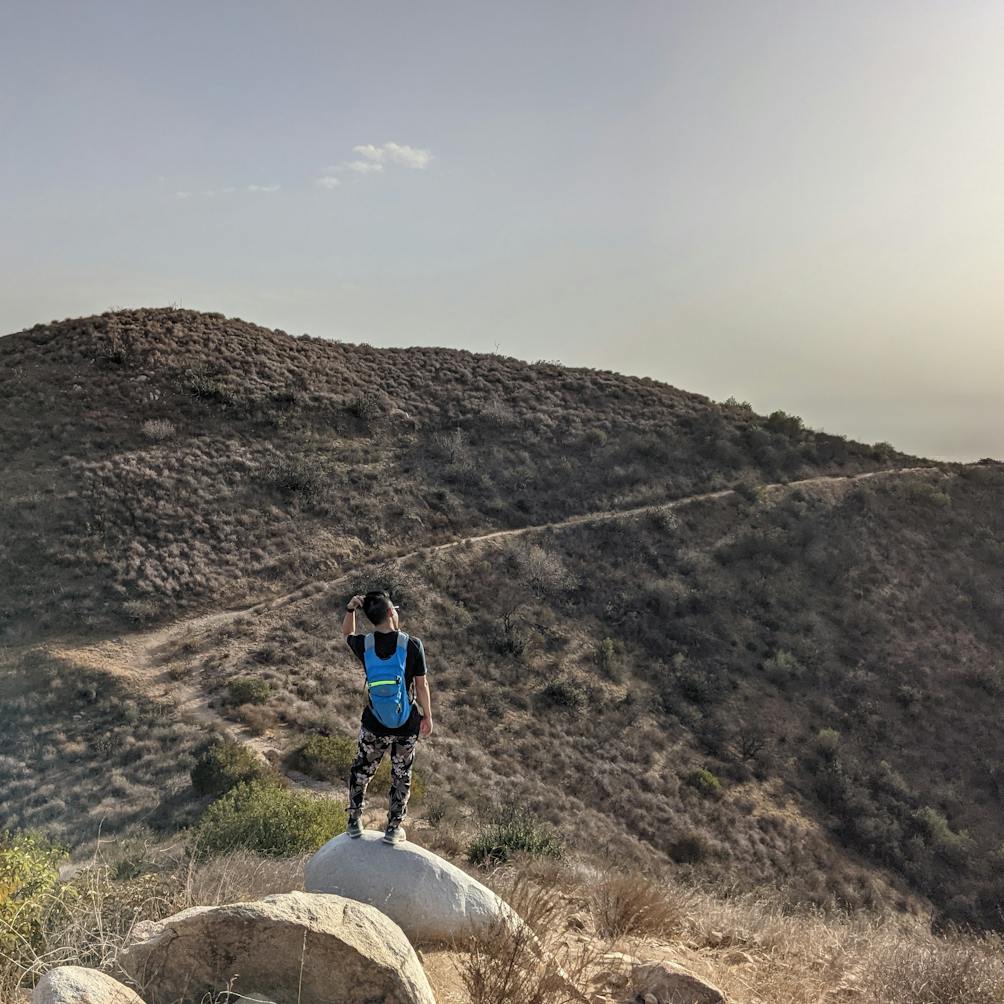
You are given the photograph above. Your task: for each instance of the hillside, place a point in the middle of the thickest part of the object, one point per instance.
(795, 686)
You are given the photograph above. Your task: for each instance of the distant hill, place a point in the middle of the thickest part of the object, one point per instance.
(791, 685)
(160, 460)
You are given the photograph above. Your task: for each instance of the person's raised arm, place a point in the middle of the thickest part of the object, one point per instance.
(349, 620)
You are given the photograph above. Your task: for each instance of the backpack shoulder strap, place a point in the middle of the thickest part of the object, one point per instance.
(368, 644)
(402, 640)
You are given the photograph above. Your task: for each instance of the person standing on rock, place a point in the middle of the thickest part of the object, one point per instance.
(398, 708)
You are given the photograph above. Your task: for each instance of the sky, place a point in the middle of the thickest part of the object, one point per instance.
(797, 204)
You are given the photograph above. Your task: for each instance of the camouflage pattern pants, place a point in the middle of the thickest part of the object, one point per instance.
(371, 751)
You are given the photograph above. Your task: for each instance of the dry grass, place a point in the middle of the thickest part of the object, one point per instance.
(754, 948)
(527, 962)
(760, 951)
(870, 609)
(634, 905)
(91, 916)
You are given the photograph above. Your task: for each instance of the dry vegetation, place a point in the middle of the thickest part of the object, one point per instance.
(785, 692)
(795, 689)
(752, 946)
(160, 460)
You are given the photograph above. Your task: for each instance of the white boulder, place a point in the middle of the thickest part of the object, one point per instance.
(293, 948)
(430, 899)
(77, 985)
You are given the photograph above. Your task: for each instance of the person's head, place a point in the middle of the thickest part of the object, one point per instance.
(377, 606)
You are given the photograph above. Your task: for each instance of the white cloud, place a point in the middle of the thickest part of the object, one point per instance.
(328, 181)
(364, 166)
(369, 151)
(262, 188)
(182, 195)
(395, 153)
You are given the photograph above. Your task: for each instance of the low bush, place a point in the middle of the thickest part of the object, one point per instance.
(510, 831)
(249, 690)
(607, 659)
(626, 905)
(704, 781)
(327, 758)
(563, 693)
(224, 765)
(269, 820)
(29, 889)
(689, 848)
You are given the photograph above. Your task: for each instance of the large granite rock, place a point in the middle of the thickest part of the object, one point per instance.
(293, 948)
(430, 899)
(77, 985)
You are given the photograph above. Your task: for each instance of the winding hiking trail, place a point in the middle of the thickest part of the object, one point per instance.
(138, 659)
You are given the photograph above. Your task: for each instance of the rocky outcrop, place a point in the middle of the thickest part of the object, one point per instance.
(77, 985)
(295, 947)
(430, 899)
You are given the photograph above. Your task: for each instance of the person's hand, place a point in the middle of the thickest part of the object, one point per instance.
(355, 603)
(425, 727)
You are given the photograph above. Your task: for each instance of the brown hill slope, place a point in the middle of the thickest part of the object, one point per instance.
(796, 686)
(158, 460)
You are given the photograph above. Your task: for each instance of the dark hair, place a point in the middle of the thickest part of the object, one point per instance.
(376, 605)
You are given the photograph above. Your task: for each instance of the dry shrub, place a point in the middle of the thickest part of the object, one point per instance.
(941, 971)
(242, 876)
(625, 905)
(526, 963)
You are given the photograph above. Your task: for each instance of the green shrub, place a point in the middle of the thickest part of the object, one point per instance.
(563, 693)
(224, 765)
(30, 891)
(510, 831)
(784, 424)
(249, 690)
(269, 820)
(326, 757)
(783, 666)
(607, 660)
(704, 781)
(940, 836)
(828, 743)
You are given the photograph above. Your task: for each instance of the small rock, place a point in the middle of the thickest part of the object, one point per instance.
(715, 939)
(650, 999)
(672, 984)
(620, 960)
(77, 985)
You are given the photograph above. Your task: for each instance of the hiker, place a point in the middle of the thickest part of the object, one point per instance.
(394, 666)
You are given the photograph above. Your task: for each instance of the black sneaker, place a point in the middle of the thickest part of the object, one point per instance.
(355, 828)
(394, 835)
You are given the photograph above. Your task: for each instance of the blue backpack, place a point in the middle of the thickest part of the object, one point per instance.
(385, 682)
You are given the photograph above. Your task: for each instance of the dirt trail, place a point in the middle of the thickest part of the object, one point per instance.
(140, 661)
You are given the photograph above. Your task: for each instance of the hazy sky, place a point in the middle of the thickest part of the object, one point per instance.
(799, 204)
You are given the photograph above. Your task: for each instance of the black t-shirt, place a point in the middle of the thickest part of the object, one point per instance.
(384, 643)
